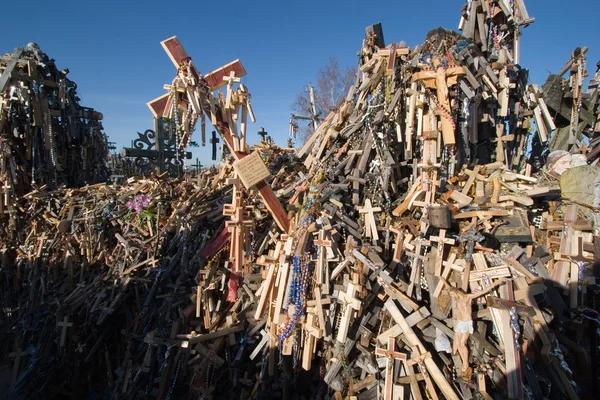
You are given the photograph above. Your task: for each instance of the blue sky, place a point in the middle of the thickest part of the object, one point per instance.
(113, 47)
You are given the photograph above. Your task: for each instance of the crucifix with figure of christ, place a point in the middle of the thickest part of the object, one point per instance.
(440, 79)
(391, 354)
(198, 89)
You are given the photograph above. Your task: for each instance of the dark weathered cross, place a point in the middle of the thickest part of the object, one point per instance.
(159, 153)
(262, 133)
(198, 165)
(214, 141)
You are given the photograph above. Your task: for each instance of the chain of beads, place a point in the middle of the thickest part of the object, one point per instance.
(299, 283)
(514, 324)
(581, 275)
(444, 111)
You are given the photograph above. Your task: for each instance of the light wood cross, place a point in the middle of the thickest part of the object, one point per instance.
(440, 79)
(398, 247)
(370, 224)
(63, 335)
(351, 303)
(391, 354)
(512, 353)
(17, 363)
(322, 272)
(442, 241)
(415, 274)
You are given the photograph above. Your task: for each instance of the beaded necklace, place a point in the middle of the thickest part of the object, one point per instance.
(298, 284)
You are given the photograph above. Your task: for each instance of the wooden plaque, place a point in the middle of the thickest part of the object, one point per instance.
(251, 169)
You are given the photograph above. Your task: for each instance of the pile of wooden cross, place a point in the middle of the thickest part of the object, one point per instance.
(411, 249)
(46, 136)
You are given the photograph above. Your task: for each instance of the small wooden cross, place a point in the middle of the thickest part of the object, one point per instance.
(370, 224)
(398, 248)
(351, 303)
(415, 274)
(442, 241)
(231, 79)
(63, 335)
(391, 355)
(17, 363)
(322, 273)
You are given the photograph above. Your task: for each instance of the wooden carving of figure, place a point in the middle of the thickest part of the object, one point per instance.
(463, 326)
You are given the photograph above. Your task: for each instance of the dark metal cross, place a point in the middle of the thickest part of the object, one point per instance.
(262, 133)
(214, 142)
(198, 165)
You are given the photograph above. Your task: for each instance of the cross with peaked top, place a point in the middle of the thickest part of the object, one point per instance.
(198, 90)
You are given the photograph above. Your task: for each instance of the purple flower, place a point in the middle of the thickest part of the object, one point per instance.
(138, 203)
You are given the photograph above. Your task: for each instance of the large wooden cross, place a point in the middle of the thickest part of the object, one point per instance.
(204, 86)
(391, 354)
(440, 79)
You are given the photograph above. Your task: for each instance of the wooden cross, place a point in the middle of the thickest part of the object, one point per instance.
(391, 355)
(440, 79)
(237, 227)
(351, 304)
(322, 273)
(370, 224)
(392, 51)
(17, 363)
(398, 248)
(442, 241)
(472, 237)
(413, 340)
(513, 355)
(230, 80)
(577, 261)
(213, 81)
(63, 335)
(415, 273)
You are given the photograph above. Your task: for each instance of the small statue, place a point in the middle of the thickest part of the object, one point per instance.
(463, 326)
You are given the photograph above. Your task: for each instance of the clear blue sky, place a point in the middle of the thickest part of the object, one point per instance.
(113, 51)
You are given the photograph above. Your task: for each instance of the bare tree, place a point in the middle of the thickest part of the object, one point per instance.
(333, 83)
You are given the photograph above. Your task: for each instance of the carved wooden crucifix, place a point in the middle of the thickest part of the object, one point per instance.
(204, 86)
(440, 79)
(391, 354)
